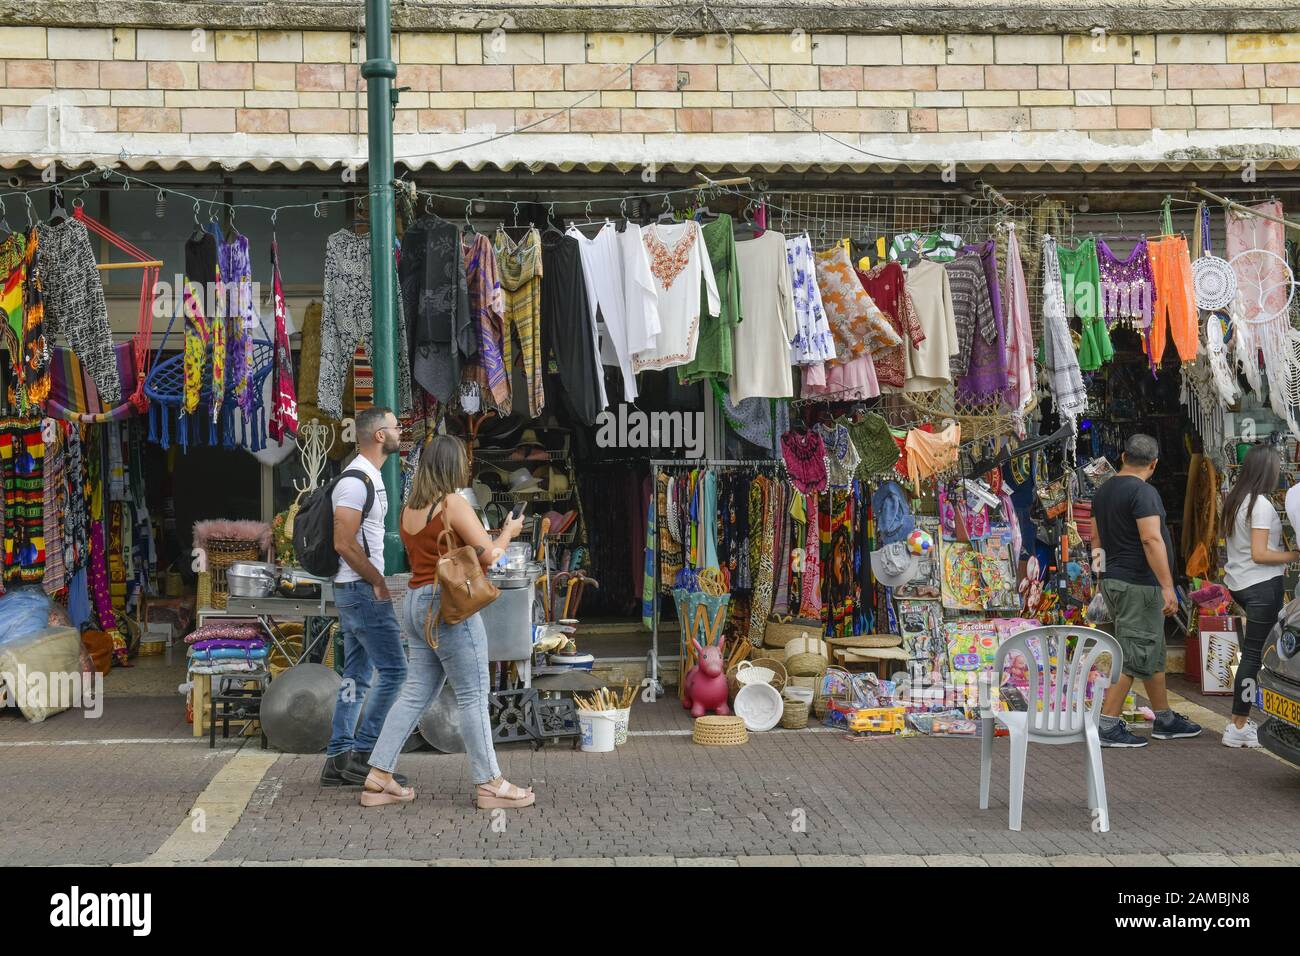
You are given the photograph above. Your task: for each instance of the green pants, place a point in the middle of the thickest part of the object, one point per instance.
(1138, 611)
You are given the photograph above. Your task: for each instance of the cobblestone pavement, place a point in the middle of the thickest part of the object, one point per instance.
(123, 789)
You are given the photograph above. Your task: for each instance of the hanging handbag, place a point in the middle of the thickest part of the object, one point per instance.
(465, 589)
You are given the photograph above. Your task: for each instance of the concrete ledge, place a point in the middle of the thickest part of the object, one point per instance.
(969, 16)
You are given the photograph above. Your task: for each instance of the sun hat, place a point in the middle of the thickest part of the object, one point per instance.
(893, 565)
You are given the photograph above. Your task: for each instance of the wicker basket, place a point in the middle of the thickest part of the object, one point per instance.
(204, 597)
(807, 656)
(794, 716)
(774, 653)
(779, 678)
(780, 634)
(719, 731)
(821, 701)
(798, 681)
(221, 554)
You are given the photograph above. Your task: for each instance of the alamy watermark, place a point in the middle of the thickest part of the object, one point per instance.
(52, 690)
(634, 428)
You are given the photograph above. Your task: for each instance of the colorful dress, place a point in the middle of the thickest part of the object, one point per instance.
(520, 267)
(486, 305)
(813, 342)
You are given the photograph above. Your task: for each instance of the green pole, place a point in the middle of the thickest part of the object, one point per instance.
(379, 71)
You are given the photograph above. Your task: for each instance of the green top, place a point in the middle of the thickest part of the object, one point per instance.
(713, 355)
(1081, 283)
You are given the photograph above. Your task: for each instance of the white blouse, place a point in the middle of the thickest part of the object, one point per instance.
(678, 259)
(608, 279)
(762, 341)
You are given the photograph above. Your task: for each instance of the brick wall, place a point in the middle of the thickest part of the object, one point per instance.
(294, 94)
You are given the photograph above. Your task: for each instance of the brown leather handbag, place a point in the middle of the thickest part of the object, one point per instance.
(465, 589)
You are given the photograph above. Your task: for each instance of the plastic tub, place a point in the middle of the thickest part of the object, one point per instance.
(597, 728)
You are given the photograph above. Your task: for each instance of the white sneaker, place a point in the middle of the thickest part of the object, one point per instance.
(1247, 736)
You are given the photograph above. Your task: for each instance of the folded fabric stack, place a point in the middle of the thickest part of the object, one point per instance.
(227, 649)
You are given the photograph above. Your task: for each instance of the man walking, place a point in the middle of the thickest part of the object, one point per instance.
(1133, 551)
(371, 636)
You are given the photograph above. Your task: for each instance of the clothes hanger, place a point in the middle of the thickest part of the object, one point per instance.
(57, 213)
(198, 232)
(4, 219)
(551, 227)
(667, 215)
(469, 207)
(745, 226)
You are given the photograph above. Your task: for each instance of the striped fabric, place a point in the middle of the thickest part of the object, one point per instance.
(73, 395)
(520, 268)
(22, 458)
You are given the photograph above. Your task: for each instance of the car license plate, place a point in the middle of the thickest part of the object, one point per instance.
(1275, 705)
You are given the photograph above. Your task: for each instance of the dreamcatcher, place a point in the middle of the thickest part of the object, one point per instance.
(1216, 351)
(1262, 326)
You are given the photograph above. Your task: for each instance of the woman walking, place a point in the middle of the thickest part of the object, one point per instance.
(1253, 573)
(461, 654)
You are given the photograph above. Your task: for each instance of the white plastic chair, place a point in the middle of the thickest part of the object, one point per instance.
(1058, 711)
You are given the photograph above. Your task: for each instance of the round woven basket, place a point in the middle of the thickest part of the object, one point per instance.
(794, 715)
(714, 731)
(806, 656)
(221, 554)
(779, 675)
(821, 701)
(779, 634)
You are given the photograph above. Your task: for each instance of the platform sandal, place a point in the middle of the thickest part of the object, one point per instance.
(379, 793)
(504, 795)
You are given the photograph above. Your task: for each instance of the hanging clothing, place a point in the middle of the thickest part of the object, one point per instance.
(205, 328)
(440, 336)
(835, 526)
(760, 421)
(12, 259)
(486, 305)
(1059, 358)
(241, 316)
(886, 284)
(520, 266)
(620, 292)
(567, 326)
(347, 322)
(1081, 286)
(74, 302)
(857, 325)
(842, 457)
(1244, 233)
(1022, 372)
(972, 309)
(813, 342)
(810, 605)
(935, 246)
(1128, 288)
(929, 453)
(805, 460)
(765, 533)
(22, 465)
(877, 450)
(929, 363)
(1171, 268)
(714, 357)
(762, 345)
(854, 380)
(284, 405)
(678, 259)
(986, 373)
(33, 357)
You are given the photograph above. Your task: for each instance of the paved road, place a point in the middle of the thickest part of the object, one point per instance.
(133, 787)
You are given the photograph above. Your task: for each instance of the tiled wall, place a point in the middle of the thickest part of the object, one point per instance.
(139, 85)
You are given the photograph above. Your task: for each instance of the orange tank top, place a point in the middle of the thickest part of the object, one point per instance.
(423, 550)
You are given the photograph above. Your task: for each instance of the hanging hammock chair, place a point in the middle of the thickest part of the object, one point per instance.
(165, 389)
(73, 395)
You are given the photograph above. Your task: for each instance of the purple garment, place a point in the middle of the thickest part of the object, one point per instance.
(241, 318)
(231, 645)
(986, 375)
(1128, 289)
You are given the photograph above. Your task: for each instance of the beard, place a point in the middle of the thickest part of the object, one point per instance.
(391, 443)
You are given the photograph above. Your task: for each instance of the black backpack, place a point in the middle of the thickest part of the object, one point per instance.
(313, 527)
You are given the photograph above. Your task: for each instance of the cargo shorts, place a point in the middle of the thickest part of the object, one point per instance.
(1138, 612)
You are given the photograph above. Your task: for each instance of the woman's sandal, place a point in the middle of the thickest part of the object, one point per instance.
(489, 797)
(379, 793)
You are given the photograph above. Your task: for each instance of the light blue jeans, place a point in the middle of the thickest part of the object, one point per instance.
(462, 658)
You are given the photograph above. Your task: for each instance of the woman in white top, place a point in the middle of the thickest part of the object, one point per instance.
(1253, 573)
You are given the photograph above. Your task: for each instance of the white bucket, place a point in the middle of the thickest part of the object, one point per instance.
(621, 717)
(597, 730)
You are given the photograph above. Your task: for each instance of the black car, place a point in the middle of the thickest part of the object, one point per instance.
(1279, 687)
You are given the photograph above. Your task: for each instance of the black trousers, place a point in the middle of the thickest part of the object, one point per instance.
(1261, 602)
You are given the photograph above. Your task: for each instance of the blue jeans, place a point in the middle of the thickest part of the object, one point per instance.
(372, 642)
(461, 657)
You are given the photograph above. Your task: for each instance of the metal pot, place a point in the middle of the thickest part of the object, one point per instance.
(251, 579)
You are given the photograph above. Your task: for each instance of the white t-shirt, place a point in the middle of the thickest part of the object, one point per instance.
(1293, 509)
(1241, 570)
(351, 493)
(677, 259)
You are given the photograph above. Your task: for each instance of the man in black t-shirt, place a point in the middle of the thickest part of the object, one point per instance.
(1134, 554)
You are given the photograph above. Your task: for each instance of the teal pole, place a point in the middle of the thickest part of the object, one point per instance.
(379, 71)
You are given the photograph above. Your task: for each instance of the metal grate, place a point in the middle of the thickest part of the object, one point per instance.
(973, 214)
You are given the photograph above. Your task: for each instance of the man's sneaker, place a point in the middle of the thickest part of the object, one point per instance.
(1120, 736)
(1248, 736)
(360, 767)
(1177, 726)
(338, 772)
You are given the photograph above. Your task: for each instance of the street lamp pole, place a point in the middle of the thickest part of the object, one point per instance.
(379, 71)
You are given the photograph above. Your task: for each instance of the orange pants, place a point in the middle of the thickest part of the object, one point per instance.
(1171, 268)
